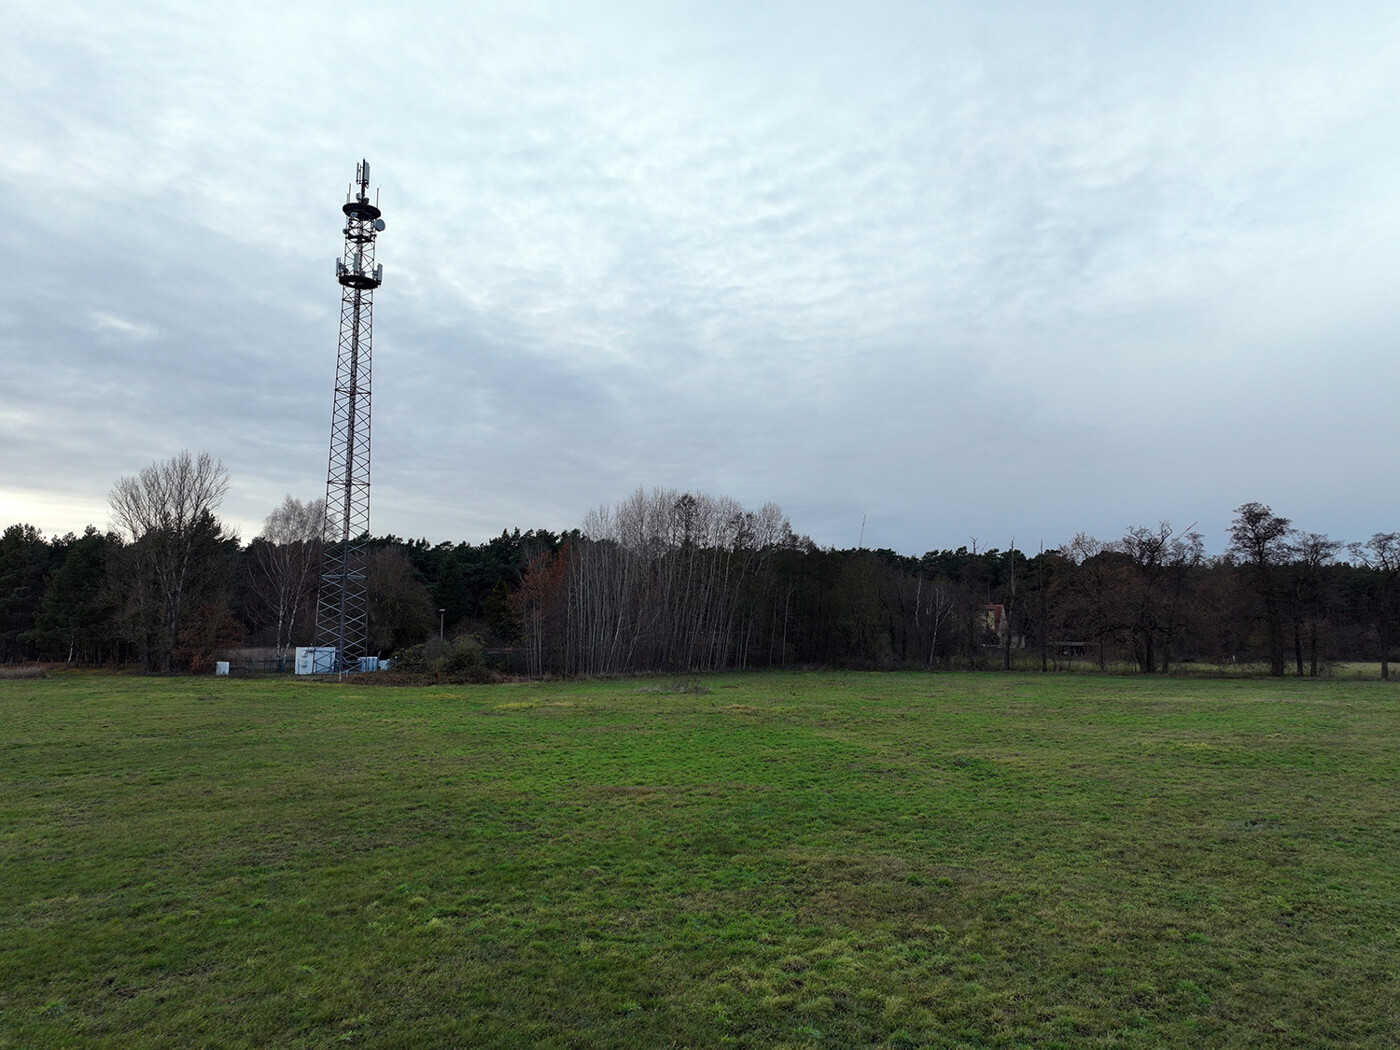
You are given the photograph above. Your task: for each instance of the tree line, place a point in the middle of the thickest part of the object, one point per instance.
(665, 581)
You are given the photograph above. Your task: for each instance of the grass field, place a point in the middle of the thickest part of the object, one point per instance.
(804, 860)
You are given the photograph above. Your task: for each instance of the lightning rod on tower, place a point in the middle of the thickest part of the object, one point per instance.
(342, 607)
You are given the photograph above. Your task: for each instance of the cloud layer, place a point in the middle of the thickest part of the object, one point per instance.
(949, 271)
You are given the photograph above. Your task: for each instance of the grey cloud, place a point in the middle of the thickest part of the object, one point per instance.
(956, 271)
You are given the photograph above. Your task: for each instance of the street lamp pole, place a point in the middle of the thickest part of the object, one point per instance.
(441, 613)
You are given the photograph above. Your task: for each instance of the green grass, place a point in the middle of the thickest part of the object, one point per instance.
(820, 860)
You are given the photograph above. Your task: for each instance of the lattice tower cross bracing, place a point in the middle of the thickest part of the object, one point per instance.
(342, 607)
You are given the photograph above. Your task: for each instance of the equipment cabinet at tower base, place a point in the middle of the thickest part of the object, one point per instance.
(321, 659)
(315, 659)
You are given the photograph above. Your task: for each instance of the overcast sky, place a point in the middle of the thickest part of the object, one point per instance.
(952, 271)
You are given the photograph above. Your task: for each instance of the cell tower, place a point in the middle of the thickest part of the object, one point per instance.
(342, 611)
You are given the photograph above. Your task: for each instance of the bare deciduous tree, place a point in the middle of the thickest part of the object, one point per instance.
(167, 513)
(1261, 537)
(664, 581)
(934, 602)
(1094, 595)
(283, 563)
(1381, 553)
(1312, 553)
(1152, 600)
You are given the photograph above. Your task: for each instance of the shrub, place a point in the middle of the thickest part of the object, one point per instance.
(460, 659)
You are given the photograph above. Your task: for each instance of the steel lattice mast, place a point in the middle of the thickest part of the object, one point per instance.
(342, 612)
